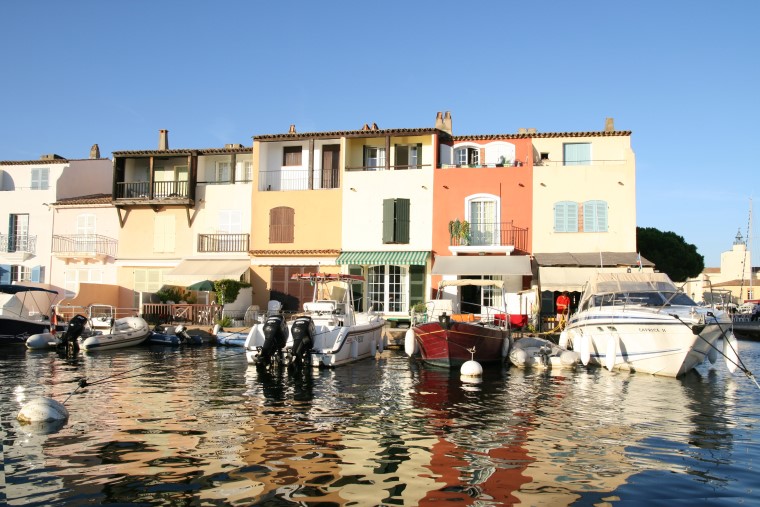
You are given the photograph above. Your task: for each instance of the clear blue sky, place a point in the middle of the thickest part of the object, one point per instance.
(681, 75)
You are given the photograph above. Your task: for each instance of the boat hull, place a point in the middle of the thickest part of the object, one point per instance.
(661, 343)
(127, 332)
(450, 347)
(17, 330)
(333, 346)
(532, 352)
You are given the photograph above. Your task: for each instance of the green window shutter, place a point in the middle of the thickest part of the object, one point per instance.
(357, 288)
(389, 220)
(402, 220)
(416, 284)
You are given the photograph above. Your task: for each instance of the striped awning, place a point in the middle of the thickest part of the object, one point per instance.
(370, 258)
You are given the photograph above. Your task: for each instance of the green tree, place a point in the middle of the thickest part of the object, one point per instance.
(227, 290)
(670, 253)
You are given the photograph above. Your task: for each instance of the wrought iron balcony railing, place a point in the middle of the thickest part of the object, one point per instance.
(18, 243)
(141, 190)
(492, 234)
(94, 244)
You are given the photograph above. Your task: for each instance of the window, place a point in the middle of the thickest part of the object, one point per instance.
(222, 174)
(483, 215)
(18, 233)
(40, 178)
(480, 300)
(577, 153)
(374, 158)
(86, 224)
(291, 155)
(566, 216)
(408, 156)
(244, 171)
(467, 156)
(396, 220)
(73, 277)
(148, 280)
(281, 225)
(386, 288)
(595, 216)
(21, 274)
(163, 234)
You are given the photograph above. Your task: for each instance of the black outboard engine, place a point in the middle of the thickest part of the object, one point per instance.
(74, 330)
(275, 335)
(303, 340)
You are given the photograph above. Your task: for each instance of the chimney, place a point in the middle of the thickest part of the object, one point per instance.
(439, 120)
(95, 151)
(365, 127)
(51, 156)
(292, 129)
(446, 126)
(374, 126)
(531, 130)
(522, 130)
(163, 139)
(609, 125)
(233, 146)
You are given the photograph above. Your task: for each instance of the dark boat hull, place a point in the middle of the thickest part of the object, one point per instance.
(450, 347)
(14, 330)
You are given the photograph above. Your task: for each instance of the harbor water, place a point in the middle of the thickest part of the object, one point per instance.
(197, 426)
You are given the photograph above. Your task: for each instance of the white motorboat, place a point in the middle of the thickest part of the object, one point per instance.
(327, 333)
(535, 352)
(641, 322)
(125, 332)
(25, 311)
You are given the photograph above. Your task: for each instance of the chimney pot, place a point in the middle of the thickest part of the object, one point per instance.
(163, 139)
(375, 127)
(365, 127)
(292, 129)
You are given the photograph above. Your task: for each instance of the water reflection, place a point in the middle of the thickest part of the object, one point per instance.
(198, 426)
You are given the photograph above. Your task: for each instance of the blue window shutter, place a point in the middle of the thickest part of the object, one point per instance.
(560, 211)
(38, 273)
(589, 216)
(572, 217)
(5, 273)
(601, 216)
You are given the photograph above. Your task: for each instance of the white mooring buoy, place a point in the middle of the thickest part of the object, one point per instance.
(471, 369)
(42, 410)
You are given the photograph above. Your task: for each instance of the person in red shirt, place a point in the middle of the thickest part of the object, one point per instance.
(563, 306)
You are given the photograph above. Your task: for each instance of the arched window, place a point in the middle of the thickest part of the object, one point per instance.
(483, 211)
(467, 155)
(566, 216)
(595, 216)
(281, 225)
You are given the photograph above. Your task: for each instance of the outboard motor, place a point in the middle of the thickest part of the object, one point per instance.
(74, 330)
(275, 335)
(181, 332)
(303, 340)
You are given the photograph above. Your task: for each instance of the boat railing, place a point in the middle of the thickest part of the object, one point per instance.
(66, 312)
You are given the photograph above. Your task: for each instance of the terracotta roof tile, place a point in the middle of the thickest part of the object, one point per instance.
(540, 135)
(85, 199)
(294, 252)
(183, 151)
(351, 133)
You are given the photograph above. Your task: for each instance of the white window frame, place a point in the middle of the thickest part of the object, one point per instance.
(483, 232)
(40, 178)
(400, 302)
(374, 154)
(467, 155)
(222, 172)
(86, 224)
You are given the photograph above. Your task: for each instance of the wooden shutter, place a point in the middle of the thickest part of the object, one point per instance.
(416, 285)
(281, 225)
(291, 155)
(291, 293)
(396, 220)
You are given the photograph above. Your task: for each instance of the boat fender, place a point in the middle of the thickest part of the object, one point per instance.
(611, 352)
(506, 346)
(731, 352)
(216, 329)
(518, 357)
(41, 341)
(381, 344)
(410, 344)
(569, 358)
(563, 339)
(471, 369)
(43, 410)
(712, 354)
(585, 349)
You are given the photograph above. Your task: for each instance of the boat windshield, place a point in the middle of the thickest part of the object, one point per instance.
(651, 298)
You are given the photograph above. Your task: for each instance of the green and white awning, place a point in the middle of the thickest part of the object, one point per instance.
(372, 258)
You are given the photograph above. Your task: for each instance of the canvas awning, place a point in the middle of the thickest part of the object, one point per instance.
(482, 265)
(210, 269)
(571, 279)
(369, 258)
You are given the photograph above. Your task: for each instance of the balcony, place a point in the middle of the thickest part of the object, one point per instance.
(490, 236)
(142, 192)
(381, 167)
(298, 178)
(83, 247)
(223, 242)
(17, 248)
